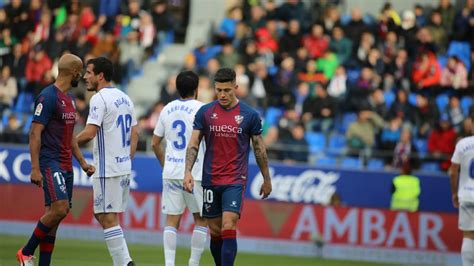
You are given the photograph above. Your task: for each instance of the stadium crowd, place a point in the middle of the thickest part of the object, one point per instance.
(381, 90)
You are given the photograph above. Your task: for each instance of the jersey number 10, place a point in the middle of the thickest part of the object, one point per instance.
(125, 122)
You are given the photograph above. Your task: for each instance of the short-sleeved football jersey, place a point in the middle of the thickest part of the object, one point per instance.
(464, 156)
(112, 111)
(57, 112)
(227, 133)
(175, 124)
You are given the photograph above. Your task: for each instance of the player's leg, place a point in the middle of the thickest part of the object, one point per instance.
(231, 205)
(198, 240)
(110, 197)
(172, 204)
(57, 202)
(466, 224)
(212, 212)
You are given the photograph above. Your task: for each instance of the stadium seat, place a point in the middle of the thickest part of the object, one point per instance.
(375, 164)
(462, 50)
(412, 98)
(316, 141)
(389, 97)
(272, 116)
(28, 119)
(422, 146)
(326, 161)
(442, 101)
(353, 75)
(430, 167)
(442, 60)
(466, 103)
(347, 118)
(24, 103)
(351, 162)
(337, 144)
(345, 19)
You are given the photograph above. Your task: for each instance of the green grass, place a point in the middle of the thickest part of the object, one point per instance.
(94, 253)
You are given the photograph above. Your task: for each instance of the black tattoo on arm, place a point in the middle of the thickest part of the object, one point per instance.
(261, 156)
(191, 155)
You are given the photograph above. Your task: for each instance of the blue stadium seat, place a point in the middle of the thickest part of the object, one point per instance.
(389, 97)
(462, 50)
(375, 164)
(337, 144)
(466, 103)
(24, 103)
(351, 162)
(412, 98)
(442, 60)
(442, 101)
(347, 118)
(345, 19)
(316, 141)
(430, 167)
(272, 116)
(422, 146)
(353, 75)
(27, 123)
(326, 161)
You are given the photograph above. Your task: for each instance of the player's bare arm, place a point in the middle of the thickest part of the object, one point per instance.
(35, 144)
(191, 155)
(454, 176)
(158, 149)
(133, 141)
(76, 151)
(87, 134)
(262, 161)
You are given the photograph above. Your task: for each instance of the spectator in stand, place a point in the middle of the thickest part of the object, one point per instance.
(391, 133)
(319, 111)
(425, 42)
(17, 13)
(131, 56)
(421, 20)
(291, 40)
(206, 92)
(337, 87)
(366, 44)
(57, 45)
(404, 151)
(466, 129)
(388, 21)
(356, 27)
(438, 32)
(397, 73)
(257, 18)
(470, 76)
(301, 59)
(361, 133)
(296, 146)
(331, 19)
(203, 53)
(426, 71)
(447, 11)
(249, 55)
(311, 75)
(262, 86)
(408, 33)
(316, 42)
(106, 47)
(37, 65)
(375, 62)
(43, 28)
(228, 26)
(286, 77)
(163, 21)
(327, 64)
(302, 94)
(228, 57)
(376, 102)
(363, 87)
(340, 45)
(7, 41)
(442, 141)
(13, 131)
(108, 9)
(213, 66)
(8, 89)
(147, 32)
(455, 113)
(243, 93)
(17, 62)
(169, 92)
(267, 38)
(454, 75)
(426, 115)
(464, 23)
(389, 48)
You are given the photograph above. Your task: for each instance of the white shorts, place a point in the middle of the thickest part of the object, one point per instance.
(175, 198)
(111, 194)
(466, 216)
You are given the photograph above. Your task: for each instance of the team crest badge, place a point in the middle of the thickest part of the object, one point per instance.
(214, 116)
(38, 110)
(239, 119)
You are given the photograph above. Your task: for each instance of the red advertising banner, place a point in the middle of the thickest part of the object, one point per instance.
(358, 227)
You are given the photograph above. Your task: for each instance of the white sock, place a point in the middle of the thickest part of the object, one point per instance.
(117, 246)
(169, 243)
(198, 242)
(467, 251)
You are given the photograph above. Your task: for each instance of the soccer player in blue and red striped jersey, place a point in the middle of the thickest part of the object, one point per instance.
(227, 125)
(52, 145)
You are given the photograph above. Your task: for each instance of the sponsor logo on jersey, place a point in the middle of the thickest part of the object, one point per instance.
(233, 204)
(226, 131)
(239, 119)
(207, 207)
(63, 104)
(39, 109)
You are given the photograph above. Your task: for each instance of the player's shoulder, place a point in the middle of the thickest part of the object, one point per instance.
(49, 91)
(466, 141)
(207, 106)
(245, 108)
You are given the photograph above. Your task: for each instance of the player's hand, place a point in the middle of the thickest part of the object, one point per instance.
(455, 201)
(36, 177)
(188, 183)
(266, 189)
(88, 168)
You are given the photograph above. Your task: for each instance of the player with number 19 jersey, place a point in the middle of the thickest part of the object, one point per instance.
(112, 111)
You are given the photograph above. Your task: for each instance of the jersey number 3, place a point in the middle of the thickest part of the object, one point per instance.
(180, 127)
(125, 122)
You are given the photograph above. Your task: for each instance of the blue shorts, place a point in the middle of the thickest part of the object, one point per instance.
(218, 199)
(57, 184)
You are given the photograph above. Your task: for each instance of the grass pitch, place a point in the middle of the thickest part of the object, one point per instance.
(94, 253)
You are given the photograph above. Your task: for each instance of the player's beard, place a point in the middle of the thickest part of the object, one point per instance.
(75, 81)
(93, 86)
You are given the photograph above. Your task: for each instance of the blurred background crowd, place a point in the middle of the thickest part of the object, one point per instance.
(333, 88)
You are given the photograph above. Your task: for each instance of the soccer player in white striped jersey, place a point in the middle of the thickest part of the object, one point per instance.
(462, 168)
(113, 125)
(175, 125)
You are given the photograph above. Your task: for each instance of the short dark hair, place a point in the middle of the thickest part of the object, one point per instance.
(225, 75)
(187, 83)
(102, 65)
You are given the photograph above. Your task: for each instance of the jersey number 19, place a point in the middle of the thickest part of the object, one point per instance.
(124, 122)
